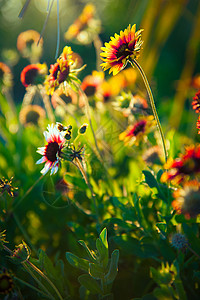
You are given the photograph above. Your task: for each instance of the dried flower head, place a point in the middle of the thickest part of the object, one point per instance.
(187, 164)
(196, 102)
(121, 48)
(187, 199)
(28, 46)
(138, 131)
(33, 74)
(6, 185)
(179, 241)
(52, 151)
(31, 114)
(5, 76)
(6, 283)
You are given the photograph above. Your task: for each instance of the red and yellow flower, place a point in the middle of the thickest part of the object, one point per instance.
(122, 47)
(196, 102)
(33, 74)
(187, 164)
(187, 199)
(60, 71)
(138, 131)
(91, 83)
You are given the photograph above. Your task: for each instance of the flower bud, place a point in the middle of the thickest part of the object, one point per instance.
(83, 128)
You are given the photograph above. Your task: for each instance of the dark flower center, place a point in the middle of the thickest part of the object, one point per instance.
(90, 90)
(31, 75)
(140, 127)
(123, 51)
(32, 117)
(51, 150)
(62, 76)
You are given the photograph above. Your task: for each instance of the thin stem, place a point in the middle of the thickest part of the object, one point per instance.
(47, 105)
(37, 280)
(31, 286)
(197, 255)
(98, 44)
(46, 278)
(136, 64)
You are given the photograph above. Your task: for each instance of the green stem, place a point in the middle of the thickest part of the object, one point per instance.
(46, 278)
(31, 286)
(37, 280)
(136, 64)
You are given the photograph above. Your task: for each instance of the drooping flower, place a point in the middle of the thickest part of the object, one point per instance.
(196, 102)
(52, 150)
(64, 96)
(28, 46)
(187, 199)
(121, 48)
(138, 131)
(31, 114)
(60, 71)
(180, 168)
(5, 76)
(33, 74)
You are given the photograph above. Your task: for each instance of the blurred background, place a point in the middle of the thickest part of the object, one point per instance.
(170, 55)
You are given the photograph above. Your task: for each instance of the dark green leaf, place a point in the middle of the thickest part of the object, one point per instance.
(112, 273)
(77, 262)
(90, 284)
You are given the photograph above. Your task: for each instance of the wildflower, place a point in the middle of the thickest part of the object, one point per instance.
(6, 185)
(105, 91)
(31, 114)
(198, 124)
(152, 156)
(51, 152)
(179, 241)
(196, 102)
(5, 76)
(6, 283)
(28, 46)
(85, 26)
(137, 132)
(180, 168)
(121, 48)
(33, 74)
(64, 95)
(91, 83)
(60, 71)
(187, 199)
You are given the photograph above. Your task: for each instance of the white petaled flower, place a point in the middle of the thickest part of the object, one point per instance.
(52, 150)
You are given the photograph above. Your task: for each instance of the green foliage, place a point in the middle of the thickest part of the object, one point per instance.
(101, 270)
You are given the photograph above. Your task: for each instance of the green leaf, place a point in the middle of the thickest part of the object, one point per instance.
(96, 271)
(90, 253)
(77, 262)
(152, 183)
(102, 247)
(90, 284)
(112, 273)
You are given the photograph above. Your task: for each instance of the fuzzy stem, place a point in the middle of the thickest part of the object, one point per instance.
(136, 64)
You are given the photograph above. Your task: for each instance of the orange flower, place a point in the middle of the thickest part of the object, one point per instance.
(92, 82)
(182, 167)
(198, 124)
(187, 199)
(137, 132)
(27, 44)
(33, 74)
(121, 48)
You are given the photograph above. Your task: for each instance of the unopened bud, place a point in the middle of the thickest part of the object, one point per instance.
(83, 128)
